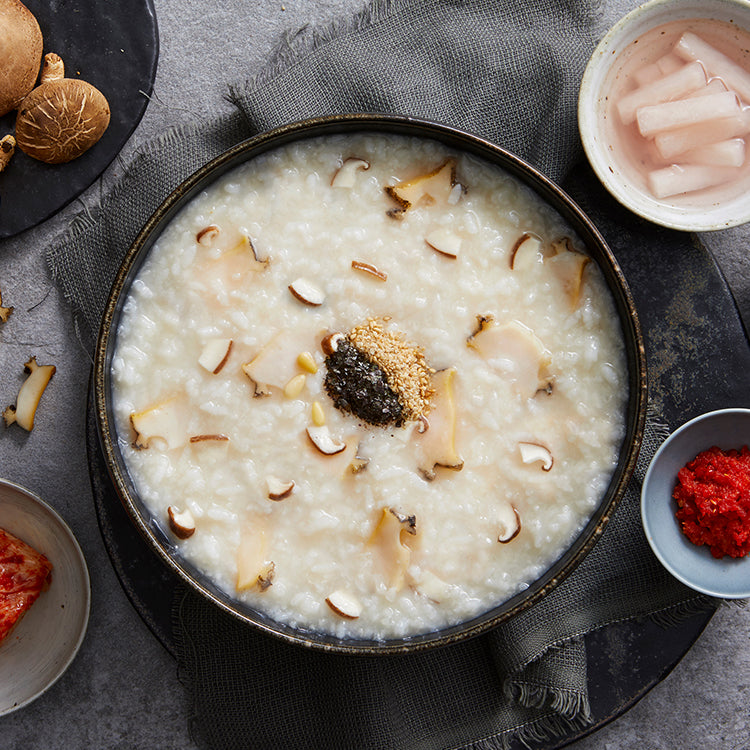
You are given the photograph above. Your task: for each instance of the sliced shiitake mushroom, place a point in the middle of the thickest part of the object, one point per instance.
(62, 117)
(322, 439)
(212, 437)
(344, 604)
(536, 452)
(346, 175)
(181, 522)
(24, 411)
(444, 241)
(330, 343)
(526, 253)
(359, 265)
(509, 523)
(307, 292)
(278, 489)
(207, 235)
(215, 354)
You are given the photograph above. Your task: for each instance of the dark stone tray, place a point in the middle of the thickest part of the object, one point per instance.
(690, 323)
(115, 47)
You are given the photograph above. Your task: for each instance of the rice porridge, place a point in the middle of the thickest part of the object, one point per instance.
(369, 385)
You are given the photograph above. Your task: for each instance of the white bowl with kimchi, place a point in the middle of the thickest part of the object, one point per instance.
(45, 596)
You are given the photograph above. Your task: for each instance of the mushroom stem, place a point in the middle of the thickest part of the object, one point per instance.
(53, 68)
(7, 149)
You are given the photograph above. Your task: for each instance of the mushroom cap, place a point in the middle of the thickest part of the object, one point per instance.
(61, 119)
(20, 52)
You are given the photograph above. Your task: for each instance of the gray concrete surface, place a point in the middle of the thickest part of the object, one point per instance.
(123, 690)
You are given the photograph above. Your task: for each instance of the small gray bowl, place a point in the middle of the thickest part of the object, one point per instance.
(726, 578)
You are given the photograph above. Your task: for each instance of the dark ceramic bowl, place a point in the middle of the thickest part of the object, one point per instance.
(553, 195)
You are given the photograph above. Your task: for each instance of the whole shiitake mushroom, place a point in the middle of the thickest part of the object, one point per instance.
(62, 117)
(20, 53)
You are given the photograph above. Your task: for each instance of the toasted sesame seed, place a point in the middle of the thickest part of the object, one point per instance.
(404, 364)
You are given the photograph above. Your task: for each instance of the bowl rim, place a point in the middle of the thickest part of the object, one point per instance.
(453, 138)
(620, 35)
(57, 523)
(651, 530)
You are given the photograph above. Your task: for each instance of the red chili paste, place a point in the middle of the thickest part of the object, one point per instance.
(713, 498)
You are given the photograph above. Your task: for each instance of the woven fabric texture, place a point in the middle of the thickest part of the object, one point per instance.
(507, 71)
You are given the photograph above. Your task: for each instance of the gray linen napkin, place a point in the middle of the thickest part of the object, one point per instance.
(509, 72)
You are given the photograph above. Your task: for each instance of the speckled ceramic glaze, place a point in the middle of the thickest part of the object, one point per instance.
(591, 107)
(46, 640)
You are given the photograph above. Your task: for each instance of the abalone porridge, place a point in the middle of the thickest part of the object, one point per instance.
(369, 385)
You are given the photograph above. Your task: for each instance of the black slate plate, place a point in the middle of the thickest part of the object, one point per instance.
(689, 320)
(115, 47)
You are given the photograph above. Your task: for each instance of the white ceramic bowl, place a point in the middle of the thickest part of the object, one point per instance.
(45, 641)
(591, 116)
(726, 578)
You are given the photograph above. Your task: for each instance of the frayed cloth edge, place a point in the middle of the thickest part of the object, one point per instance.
(532, 733)
(676, 614)
(734, 603)
(87, 218)
(570, 704)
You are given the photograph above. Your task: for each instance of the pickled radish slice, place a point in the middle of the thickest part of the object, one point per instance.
(675, 142)
(685, 178)
(692, 47)
(662, 67)
(669, 115)
(714, 86)
(729, 153)
(684, 81)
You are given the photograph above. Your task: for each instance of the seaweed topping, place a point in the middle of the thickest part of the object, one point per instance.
(357, 385)
(377, 376)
